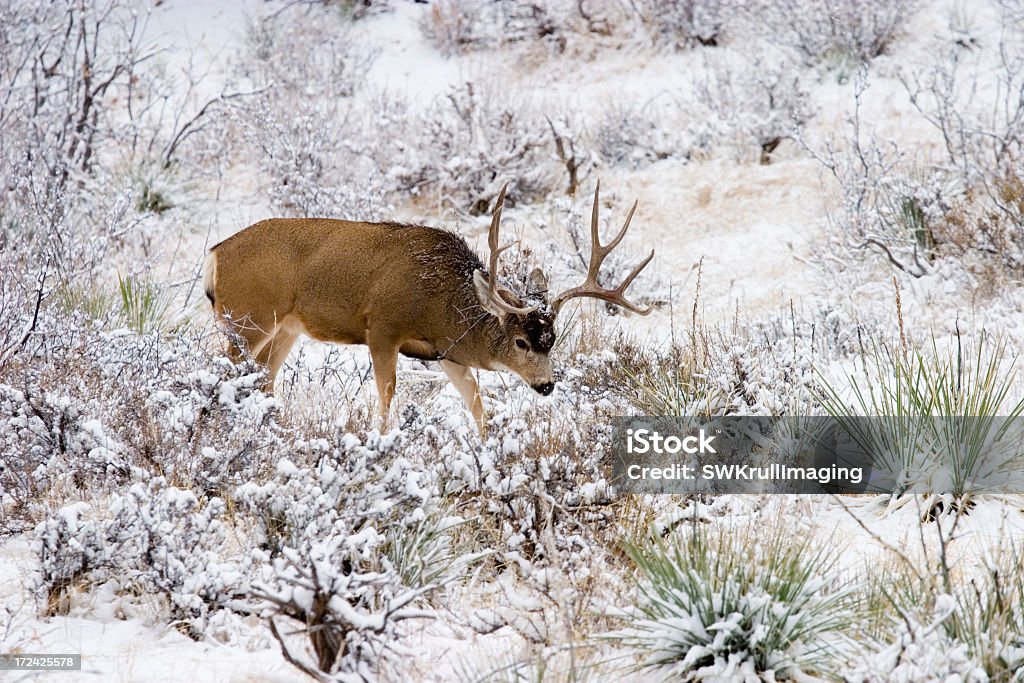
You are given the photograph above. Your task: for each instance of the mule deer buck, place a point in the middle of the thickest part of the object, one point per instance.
(407, 289)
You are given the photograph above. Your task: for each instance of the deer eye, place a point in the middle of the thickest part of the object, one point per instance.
(521, 344)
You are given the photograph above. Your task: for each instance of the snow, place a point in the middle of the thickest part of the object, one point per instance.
(752, 233)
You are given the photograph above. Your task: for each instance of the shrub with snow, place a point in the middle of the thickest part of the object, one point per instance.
(749, 102)
(836, 32)
(460, 26)
(153, 539)
(468, 143)
(333, 555)
(683, 24)
(303, 123)
(634, 135)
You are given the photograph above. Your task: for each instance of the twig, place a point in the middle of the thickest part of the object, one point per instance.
(30, 327)
(301, 666)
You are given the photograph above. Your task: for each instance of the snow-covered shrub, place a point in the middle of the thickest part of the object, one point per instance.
(91, 409)
(468, 143)
(57, 87)
(920, 653)
(86, 105)
(741, 602)
(344, 547)
(459, 26)
(303, 125)
(748, 102)
(338, 558)
(836, 32)
(351, 615)
(153, 539)
(634, 135)
(682, 24)
(889, 204)
(532, 485)
(972, 99)
(982, 229)
(49, 431)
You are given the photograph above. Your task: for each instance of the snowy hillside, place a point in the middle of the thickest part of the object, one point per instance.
(834, 191)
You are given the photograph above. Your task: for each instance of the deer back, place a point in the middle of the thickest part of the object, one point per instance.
(342, 278)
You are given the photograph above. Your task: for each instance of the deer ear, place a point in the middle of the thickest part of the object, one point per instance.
(483, 295)
(538, 285)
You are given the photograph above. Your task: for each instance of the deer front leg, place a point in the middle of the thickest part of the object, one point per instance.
(462, 378)
(384, 354)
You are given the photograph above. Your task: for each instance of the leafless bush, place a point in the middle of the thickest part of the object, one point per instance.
(91, 119)
(469, 143)
(887, 206)
(832, 31)
(304, 124)
(752, 102)
(683, 24)
(87, 409)
(635, 135)
(975, 100)
(967, 207)
(61, 64)
(63, 68)
(458, 26)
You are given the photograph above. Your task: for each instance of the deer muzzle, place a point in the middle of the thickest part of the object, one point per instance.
(545, 388)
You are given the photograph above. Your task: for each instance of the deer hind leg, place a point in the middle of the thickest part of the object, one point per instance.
(384, 354)
(462, 378)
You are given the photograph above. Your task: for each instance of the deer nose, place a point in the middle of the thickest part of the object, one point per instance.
(544, 389)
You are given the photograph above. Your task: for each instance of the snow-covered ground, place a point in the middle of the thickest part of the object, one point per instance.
(759, 238)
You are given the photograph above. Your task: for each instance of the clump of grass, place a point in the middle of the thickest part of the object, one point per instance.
(143, 304)
(151, 200)
(95, 303)
(737, 600)
(937, 425)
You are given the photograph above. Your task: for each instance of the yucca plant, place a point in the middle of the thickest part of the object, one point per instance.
(931, 423)
(143, 304)
(425, 553)
(736, 600)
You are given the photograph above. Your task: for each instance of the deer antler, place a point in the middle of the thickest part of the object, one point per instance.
(492, 275)
(598, 252)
